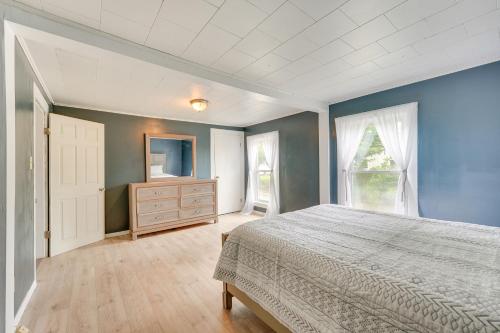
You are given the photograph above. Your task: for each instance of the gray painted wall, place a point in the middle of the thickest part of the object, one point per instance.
(24, 261)
(3, 170)
(124, 151)
(298, 158)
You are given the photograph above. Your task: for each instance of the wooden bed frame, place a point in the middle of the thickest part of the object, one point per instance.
(229, 291)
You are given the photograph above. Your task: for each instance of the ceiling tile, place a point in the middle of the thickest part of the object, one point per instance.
(362, 11)
(407, 36)
(217, 3)
(461, 12)
(169, 37)
(295, 48)
(257, 43)
(264, 66)
(303, 65)
(33, 3)
(318, 8)
(79, 73)
(279, 77)
(365, 54)
(484, 44)
(329, 28)
(396, 57)
(124, 28)
(441, 40)
(332, 51)
(369, 33)
(143, 12)
(191, 14)
(351, 73)
(90, 8)
(233, 61)
(484, 23)
(238, 17)
(325, 71)
(77, 17)
(211, 43)
(413, 11)
(286, 22)
(268, 6)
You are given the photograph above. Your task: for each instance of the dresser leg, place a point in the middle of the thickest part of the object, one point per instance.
(134, 236)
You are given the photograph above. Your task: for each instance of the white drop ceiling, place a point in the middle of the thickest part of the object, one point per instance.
(80, 75)
(326, 50)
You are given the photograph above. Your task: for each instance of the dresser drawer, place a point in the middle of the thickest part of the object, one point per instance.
(197, 189)
(159, 205)
(157, 192)
(197, 200)
(157, 218)
(194, 212)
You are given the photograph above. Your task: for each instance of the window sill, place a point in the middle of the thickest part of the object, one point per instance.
(260, 204)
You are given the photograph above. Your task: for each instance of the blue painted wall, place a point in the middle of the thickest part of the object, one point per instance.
(458, 142)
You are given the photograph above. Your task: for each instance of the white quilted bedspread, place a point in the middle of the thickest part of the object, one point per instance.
(333, 269)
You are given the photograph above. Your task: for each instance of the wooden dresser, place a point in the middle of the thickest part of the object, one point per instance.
(170, 204)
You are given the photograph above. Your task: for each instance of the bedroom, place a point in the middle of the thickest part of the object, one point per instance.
(344, 142)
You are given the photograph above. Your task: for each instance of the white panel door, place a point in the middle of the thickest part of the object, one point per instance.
(228, 166)
(76, 168)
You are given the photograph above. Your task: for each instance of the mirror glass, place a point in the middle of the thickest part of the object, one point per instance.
(170, 157)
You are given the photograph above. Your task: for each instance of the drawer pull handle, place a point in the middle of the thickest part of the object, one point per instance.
(198, 211)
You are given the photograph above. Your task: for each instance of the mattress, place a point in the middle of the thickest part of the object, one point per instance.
(334, 269)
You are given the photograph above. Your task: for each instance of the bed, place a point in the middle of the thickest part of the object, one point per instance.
(333, 269)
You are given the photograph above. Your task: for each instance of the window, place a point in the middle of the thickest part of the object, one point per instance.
(374, 175)
(377, 160)
(263, 177)
(263, 173)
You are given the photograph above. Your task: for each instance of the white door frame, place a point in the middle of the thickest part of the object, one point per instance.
(214, 131)
(40, 236)
(10, 122)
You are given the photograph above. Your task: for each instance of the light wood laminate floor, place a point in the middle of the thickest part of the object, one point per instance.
(159, 283)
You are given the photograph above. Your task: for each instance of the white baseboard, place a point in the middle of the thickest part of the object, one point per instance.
(24, 304)
(116, 234)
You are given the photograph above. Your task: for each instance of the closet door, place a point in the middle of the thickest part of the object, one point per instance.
(227, 164)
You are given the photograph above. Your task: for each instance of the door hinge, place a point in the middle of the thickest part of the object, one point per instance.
(47, 234)
(46, 130)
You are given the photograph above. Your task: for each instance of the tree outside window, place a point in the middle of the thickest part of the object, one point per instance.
(263, 177)
(374, 175)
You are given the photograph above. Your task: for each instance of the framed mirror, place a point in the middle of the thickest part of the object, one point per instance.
(170, 156)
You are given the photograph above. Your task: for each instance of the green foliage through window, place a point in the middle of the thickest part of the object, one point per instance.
(374, 175)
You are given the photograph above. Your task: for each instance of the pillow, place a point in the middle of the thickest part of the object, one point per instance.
(156, 170)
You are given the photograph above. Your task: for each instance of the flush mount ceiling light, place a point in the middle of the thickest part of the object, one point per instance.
(199, 104)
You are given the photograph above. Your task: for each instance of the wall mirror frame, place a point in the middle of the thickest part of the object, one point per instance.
(153, 158)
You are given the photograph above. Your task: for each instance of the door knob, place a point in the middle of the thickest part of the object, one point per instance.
(102, 189)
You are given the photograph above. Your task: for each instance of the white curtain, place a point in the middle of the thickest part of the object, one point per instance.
(397, 129)
(270, 144)
(350, 131)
